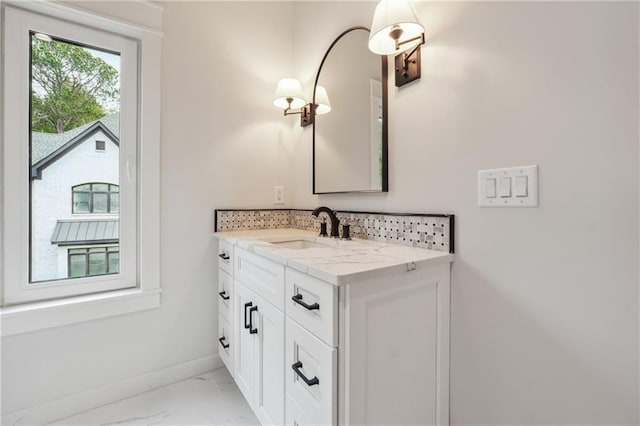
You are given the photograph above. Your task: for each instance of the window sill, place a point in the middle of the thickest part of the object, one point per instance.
(55, 313)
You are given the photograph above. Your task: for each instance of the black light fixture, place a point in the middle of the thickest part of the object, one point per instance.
(395, 29)
(289, 96)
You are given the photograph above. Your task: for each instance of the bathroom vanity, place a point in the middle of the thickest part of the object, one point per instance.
(322, 331)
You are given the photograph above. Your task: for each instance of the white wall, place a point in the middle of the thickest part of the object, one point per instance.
(223, 145)
(544, 300)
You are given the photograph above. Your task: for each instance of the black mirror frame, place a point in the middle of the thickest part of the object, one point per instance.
(385, 122)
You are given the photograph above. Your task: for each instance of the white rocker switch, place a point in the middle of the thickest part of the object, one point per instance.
(521, 186)
(490, 188)
(508, 187)
(505, 187)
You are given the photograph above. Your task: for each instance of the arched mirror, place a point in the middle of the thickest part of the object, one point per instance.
(350, 138)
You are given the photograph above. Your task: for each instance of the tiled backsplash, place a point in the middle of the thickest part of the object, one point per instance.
(431, 231)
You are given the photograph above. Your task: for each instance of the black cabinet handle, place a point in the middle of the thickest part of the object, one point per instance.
(251, 329)
(296, 367)
(223, 256)
(221, 340)
(246, 324)
(298, 299)
(224, 296)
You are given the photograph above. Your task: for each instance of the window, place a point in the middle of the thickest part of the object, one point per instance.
(131, 131)
(95, 198)
(93, 261)
(100, 146)
(79, 88)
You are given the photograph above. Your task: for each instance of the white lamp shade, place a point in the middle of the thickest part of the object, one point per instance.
(289, 88)
(390, 14)
(323, 105)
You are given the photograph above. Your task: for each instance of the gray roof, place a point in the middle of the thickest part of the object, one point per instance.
(72, 232)
(43, 144)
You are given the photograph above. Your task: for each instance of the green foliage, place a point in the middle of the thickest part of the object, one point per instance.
(69, 84)
(66, 110)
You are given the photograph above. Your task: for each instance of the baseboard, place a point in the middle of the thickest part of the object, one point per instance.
(82, 401)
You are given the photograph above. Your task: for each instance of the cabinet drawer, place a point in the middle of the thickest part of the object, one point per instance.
(225, 256)
(313, 304)
(261, 275)
(311, 375)
(295, 416)
(225, 343)
(225, 295)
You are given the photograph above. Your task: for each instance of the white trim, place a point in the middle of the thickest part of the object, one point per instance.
(82, 401)
(55, 313)
(87, 17)
(17, 286)
(25, 318)
(638, 159)
(153, 5)
(2, 153)
(149, 163)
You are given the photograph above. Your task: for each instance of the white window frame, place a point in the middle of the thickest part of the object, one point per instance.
(23, 306)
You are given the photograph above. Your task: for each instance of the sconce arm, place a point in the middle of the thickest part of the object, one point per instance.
(406, 57)
(420, 37)
(306, 114)
(289, 112)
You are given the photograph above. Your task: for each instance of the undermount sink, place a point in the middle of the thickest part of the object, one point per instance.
(297, 244)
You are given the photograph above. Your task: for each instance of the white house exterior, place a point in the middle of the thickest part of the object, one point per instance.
(86, 155)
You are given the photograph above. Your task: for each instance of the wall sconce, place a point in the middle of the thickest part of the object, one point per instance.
(395, 28)
(289, 96)
(323, 105)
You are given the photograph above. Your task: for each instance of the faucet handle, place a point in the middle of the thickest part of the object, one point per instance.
(345, 231)
(323, 228)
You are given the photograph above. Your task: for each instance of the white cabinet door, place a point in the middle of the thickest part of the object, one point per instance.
(269, 392)
(259, 354)
(295, 416)
(311, 374)
(245, 347)
(393, 346)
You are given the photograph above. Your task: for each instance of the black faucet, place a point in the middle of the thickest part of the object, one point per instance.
(332, 218)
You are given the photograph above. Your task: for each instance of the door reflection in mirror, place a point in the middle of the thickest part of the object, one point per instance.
(350, 142)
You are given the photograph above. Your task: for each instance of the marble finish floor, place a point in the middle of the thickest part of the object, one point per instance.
(209, 399)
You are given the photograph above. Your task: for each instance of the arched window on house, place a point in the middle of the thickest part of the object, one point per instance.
(96, 198)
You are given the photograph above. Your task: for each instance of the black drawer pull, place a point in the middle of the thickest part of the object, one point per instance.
(224, 296)
(296, 367)
(251, 329)
(221, 340)
(298, 299)
(224, 256)
(246, 324)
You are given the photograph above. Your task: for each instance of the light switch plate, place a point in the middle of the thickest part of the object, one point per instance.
(522, 191)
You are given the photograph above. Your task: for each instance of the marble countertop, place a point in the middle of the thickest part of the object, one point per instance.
(335, 261)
